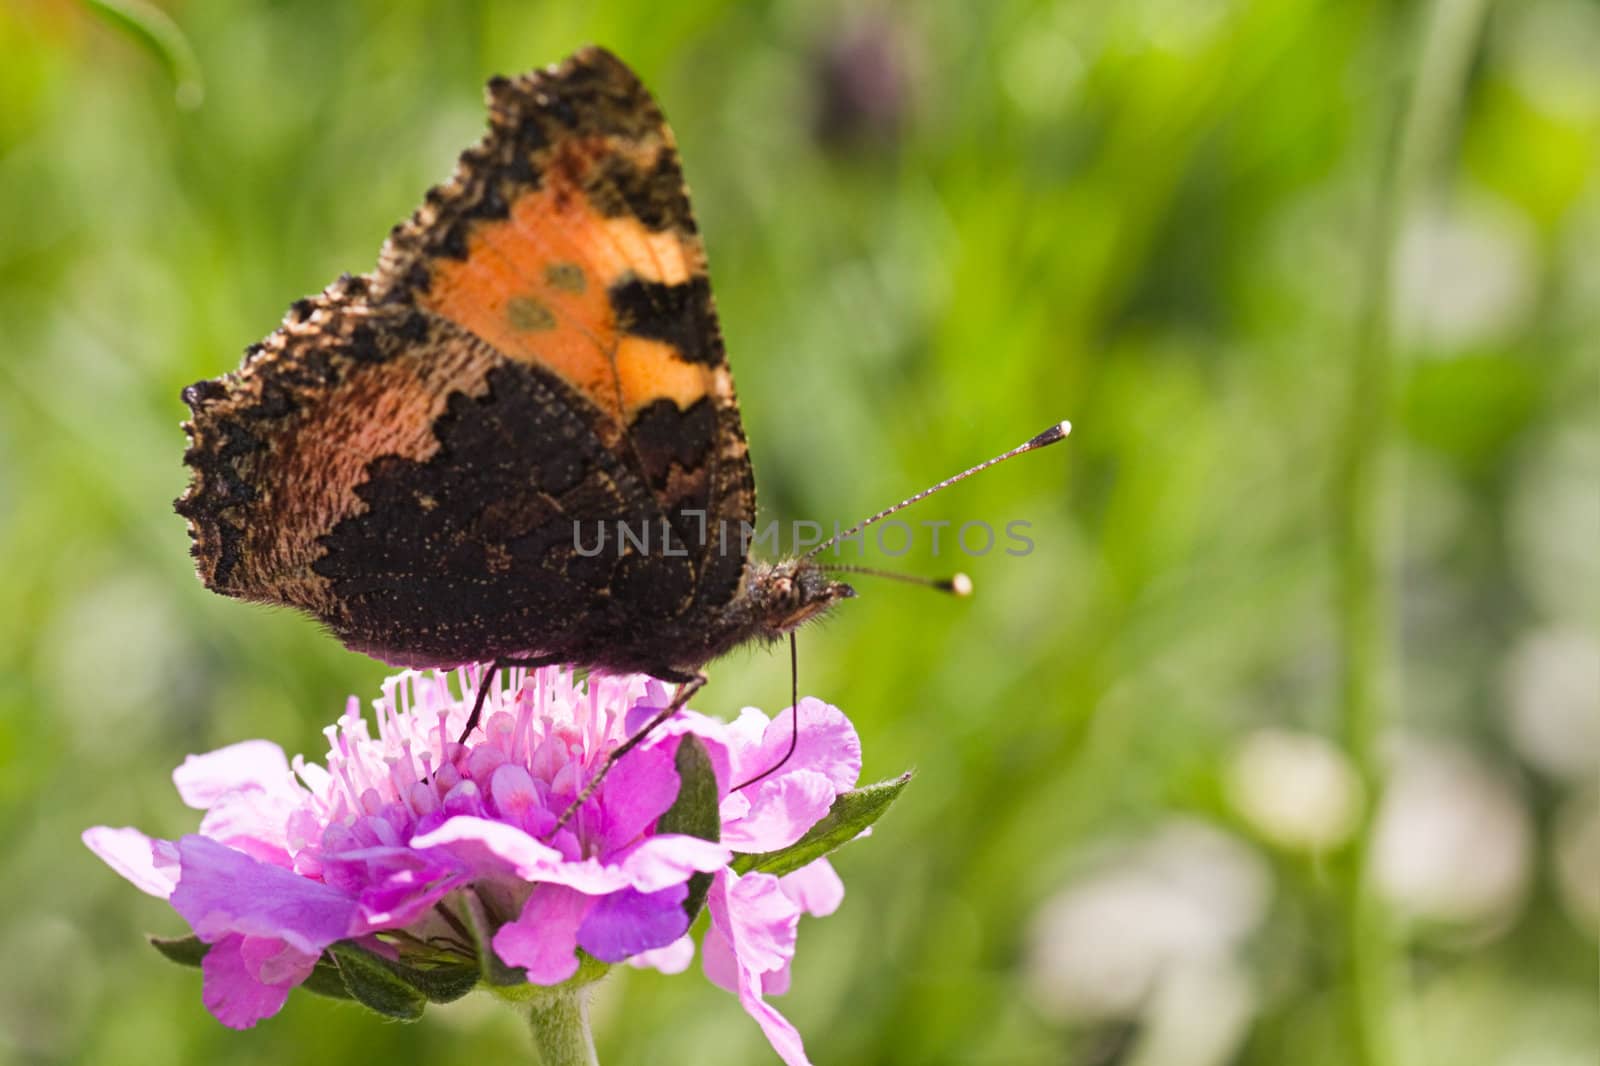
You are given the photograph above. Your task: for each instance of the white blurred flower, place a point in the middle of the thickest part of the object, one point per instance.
(1296, 789)
(1453, 840)
(1465, 276)
(1576, 856)
(1552, 687)
(1555, 521)
(1153, 931)
(1197, 1016)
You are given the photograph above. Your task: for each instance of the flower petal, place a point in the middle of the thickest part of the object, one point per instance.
(490, 847)
(782, 808)
(544, 938)
(512, 791)
(756, 922)
(204, 779)
(757, 918)
(653, 702)
(713, 733)
(717, 960)
(674, 958)
(222, 891)
(151, 865)
(395, 885)
(628, 922)
(635, 792)
(670, 858)
(815, 888)
(827, 744)
(255, 821)
(249, 978)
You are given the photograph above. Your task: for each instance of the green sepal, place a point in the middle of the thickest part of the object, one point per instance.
(443, 984)
(183, 950)
(695, 812)
(326, 980)
(373, 983)
(851, 813)
(494, 973)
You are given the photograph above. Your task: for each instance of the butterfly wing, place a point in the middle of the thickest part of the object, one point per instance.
(407, 458)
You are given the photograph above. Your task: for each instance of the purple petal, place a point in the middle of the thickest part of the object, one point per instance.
(722, 968)
(273, 962)
(254, 821)
(638, 790)
(757, 918)
(544, 938)
(734, 805)
(827, 744)
(395, 885)
(775, 982)
(782, 808)
(713, 733)
(674, 958)
(743, 910)
(670, 859)
(249, 978)
(204, 779)
(151, 865)
(717, 959)
(489, 847)
(815, 888)
(514, 794)
(744, 732)
(628, 922)
(222, 891)
(653, 702)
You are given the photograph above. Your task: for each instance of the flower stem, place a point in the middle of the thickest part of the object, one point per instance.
(1445, 47)
(560, 1022)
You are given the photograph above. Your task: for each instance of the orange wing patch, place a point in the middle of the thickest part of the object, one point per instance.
(535, 286)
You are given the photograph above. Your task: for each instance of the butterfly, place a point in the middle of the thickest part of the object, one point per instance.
(411, 457)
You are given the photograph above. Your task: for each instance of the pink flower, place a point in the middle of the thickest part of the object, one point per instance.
(405, 841)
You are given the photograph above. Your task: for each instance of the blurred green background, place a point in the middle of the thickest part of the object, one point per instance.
(1313, 590)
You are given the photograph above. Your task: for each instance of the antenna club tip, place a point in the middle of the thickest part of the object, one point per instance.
(1057, 432)
(960, 585)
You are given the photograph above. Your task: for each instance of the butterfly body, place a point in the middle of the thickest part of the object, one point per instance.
(415, 457)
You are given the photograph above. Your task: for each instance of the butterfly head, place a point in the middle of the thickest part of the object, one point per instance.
(785, 595)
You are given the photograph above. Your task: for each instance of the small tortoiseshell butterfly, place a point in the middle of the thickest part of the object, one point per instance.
(407, 458)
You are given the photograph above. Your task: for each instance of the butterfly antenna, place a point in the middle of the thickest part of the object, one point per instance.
(955, 584)
(794, 717)
(1057, 432)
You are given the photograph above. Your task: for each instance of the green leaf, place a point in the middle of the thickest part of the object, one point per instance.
(183, 950)
(373, 983)
(695, 812)
(443, 984)
(326, 980)
(851, 813)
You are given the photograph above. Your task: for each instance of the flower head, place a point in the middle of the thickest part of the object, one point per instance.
(424, 853)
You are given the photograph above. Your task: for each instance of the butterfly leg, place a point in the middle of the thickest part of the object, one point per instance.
(688, 688)
(487, 681)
